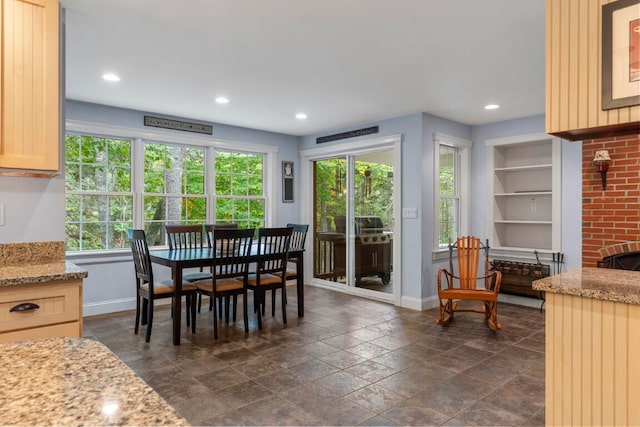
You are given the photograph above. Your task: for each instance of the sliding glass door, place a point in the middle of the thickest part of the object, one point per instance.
(353, 210)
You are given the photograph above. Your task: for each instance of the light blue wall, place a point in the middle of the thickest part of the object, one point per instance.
(287, 145)
(417, 130)
(571, 207)
(110, 284)
(432, 125)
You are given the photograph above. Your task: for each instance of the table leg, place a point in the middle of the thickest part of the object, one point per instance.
(300, 284)
(177, 304)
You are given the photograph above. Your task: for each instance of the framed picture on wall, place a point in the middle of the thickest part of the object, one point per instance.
(287, 182)
(620, 54)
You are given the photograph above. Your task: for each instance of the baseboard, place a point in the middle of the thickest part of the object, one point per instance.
(111, 306)
(419, 304)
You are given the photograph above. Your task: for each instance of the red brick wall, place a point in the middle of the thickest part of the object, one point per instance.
(611, 216)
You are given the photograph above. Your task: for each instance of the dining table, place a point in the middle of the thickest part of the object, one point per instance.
(179, 259)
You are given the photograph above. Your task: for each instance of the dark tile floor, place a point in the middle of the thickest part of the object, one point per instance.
(349, 361)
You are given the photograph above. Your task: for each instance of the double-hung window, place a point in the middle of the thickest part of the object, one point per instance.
(99, 197)
(452, 167)
(240, 189)
(174, 190)
(114, 183)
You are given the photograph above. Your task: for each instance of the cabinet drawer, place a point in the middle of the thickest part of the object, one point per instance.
(59, 303)
(73, 330)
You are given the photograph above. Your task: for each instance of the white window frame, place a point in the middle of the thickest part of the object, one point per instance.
(138, 137)
(463, 179)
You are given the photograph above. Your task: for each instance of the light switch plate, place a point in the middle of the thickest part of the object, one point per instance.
(1, 213)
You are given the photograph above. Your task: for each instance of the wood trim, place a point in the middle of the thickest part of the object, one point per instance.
(574, 74)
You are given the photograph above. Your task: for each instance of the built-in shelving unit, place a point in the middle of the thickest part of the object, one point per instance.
(525, 184)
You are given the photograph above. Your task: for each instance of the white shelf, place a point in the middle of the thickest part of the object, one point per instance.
(525, 193)
(524, 203)
(524, 168)
(515, 221)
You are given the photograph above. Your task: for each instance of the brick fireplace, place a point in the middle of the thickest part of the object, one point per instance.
(612, 216)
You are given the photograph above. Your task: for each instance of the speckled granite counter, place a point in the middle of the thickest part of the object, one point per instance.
(36, 262)
(75, 381)
(598, 283)
(36, 273)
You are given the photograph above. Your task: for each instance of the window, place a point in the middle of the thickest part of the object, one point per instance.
(239, 189)
(174, 190)
(451, 158)
(116, 183)
(99, 200)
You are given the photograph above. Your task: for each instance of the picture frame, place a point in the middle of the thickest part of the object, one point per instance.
(287, 182)
(620, 54)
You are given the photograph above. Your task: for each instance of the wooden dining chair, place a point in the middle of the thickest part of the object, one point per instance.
(147, 290)
(462, 284)
(230, 271)
(208, 229)
(187, 237)
(298, 239)
(273, 251)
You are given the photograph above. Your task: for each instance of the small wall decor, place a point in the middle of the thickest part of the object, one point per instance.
(620, 54)
(287, 182)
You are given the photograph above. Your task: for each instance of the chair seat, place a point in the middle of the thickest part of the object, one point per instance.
(221, 285)
(194, 277)
(265, 279)
(469, 294)
(166, 287)
(289, 274)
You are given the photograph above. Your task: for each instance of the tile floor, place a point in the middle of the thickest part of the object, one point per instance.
(349, 361)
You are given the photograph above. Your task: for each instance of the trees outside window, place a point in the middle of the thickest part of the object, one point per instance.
(239, 189)
(99, 198)
(174, 190)
(451, 159)
(103, 199)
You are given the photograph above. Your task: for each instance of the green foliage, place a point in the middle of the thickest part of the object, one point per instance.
(174, 190)
(373, 194)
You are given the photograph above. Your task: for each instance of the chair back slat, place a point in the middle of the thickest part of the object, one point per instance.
(273, 249)
(468, 249)
(209, 229)
(185, 236)
(141, 257)
(233, 247)
(298, 236)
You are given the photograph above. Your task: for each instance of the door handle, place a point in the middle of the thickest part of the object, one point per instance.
(26, 306)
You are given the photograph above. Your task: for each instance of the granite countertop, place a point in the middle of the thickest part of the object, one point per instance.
(36, 273)
(36, 262)
(75, 381)
(598, 283)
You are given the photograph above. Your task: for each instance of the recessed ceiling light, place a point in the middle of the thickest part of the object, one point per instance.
(222, 100)
(110, 77)
(491, 107)
(301, 116)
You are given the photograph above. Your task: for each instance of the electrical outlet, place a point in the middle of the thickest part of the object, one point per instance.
(532, 206)
(409, 212)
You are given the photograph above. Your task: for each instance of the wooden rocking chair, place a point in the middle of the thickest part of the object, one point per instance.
(464, 286)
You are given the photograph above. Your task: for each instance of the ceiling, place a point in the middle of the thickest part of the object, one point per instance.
(342, 62)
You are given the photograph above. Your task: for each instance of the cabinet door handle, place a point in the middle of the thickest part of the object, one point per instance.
(26, 306)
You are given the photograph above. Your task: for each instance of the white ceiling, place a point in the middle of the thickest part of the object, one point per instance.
(343, 62)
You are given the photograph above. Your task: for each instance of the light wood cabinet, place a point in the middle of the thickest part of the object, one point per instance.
(574, 74)
(29, 122)
(50, 310)
(524, 178)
